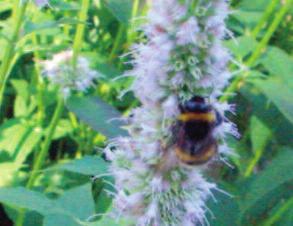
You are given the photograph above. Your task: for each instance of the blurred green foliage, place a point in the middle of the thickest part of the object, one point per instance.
(260, 177)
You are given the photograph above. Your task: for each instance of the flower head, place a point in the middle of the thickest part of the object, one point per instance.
(42, 3)
(61, 72)
(39, 3)
(183, 57)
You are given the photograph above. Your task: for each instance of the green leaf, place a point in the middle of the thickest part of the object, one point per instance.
(102, 199)
(280, 211)
(62, 5)
(7, 173)
(27, 145)
(38, 28)
(11, 133)
(97, 114)
(32, 218)
(63, 128)
(242, 47)
(78, 202)
(110, 222)
(102, 65)
(24, 104)
(279, 93)
(121, 9)
(279, 64)
(75, 205)
(248, 18)
(286, 219)
(23, 198)
(259, 5)
(88, 165)
(60, 219)
(18, 138)
(259, 134)
(6, 5)
(224, 211)
(267, 184)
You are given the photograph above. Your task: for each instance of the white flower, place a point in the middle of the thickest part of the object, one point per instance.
(187, 32)
(39, 3)
(61, 72)
(183, 56)
(42, 3)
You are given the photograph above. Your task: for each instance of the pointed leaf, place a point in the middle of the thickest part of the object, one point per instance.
(88, 165)
(259, 134)
(24, 198)
(97, 114)
(78, 202)
(279, 64)
(59, 219)
(269, 180)
(279, 93)
(121, 9)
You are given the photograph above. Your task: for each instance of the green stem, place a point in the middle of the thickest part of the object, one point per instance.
(18, 17)
(41, 156)
(39, 82)
(78, 40)
(237, 83)
(268, 12)
(82, 17)
(193, 5)
(117, 43)
(275, 217)
(131, 33)
(135, 8)
(46, 145)
(253, 163)
(66, 26)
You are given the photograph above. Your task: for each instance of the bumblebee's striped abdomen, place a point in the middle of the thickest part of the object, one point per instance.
(196, 158)
(195, 142)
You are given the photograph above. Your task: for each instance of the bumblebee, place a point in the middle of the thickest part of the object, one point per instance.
(194, 140)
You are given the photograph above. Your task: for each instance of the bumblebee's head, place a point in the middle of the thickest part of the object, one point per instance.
(196, 104)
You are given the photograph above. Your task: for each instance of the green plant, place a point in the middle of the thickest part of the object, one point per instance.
(50, 148)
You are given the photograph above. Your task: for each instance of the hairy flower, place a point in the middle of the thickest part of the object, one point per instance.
(184, 56)
(61, 72)
(39, 3)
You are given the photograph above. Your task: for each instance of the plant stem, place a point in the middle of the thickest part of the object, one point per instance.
(18, 18)
(238, 81)
(82, 17)
(131, 33)
(194, 5)
(78, 40)
(46, 145)
(135, 8)
(117, 42)
(268, 12)
(275, 217)
(41, 156)
(253, 163)
(39, 81)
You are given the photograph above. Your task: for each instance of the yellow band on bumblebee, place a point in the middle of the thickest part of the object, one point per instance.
(207, 117)
(188, 158)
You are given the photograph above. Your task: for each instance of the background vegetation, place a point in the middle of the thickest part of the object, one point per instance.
(53, 186)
